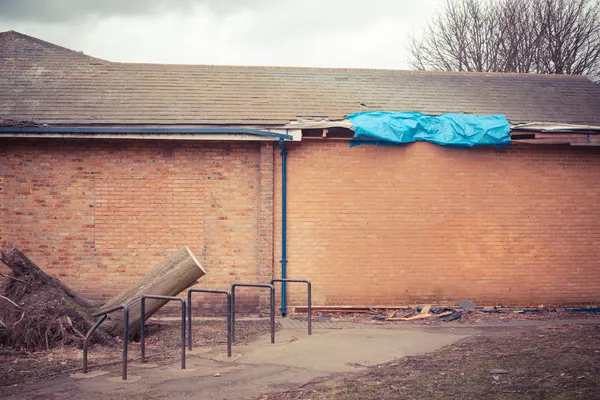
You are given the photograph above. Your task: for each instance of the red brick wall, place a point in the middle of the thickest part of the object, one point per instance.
(100, 214)
(376, 226)
(368, 225)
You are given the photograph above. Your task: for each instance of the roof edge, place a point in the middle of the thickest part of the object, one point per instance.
(549, 127)
(124, 130)
(49, 44)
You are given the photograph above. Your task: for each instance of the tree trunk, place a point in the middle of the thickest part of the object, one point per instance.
(178, 272)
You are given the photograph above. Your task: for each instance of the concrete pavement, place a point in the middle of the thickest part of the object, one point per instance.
(255, 369)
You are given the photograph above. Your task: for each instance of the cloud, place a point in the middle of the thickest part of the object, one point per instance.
(53, 11)
(50, 11)
(327, 33)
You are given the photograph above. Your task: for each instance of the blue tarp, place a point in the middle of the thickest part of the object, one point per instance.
(455, 130)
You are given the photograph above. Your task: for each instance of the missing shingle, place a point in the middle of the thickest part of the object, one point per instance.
(363, 105)
(517, 136)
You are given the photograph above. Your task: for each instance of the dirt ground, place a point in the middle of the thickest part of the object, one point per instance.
(545, 362)
(163, 342)
(557, 359)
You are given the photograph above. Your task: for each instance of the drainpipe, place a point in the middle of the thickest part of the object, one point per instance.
(283, 227)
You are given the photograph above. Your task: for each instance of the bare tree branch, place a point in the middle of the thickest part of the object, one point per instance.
(526, 36)
(11, 277)
(16, 305)
(11, 302)
(20, 319)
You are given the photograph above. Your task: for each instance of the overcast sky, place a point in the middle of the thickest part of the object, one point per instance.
(324, 33)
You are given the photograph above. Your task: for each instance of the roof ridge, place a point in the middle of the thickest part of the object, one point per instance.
(47, 44)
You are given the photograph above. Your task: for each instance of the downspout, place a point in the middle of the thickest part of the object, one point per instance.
(283, 227)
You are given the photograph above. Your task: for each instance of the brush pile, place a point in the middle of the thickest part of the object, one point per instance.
(39, 312)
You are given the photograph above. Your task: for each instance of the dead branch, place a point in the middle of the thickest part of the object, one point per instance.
(20, 319)
(11, 302)
(11, 277)
(81, 335)
(16, 305)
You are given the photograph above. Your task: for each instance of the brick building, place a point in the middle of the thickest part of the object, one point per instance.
(105, 167)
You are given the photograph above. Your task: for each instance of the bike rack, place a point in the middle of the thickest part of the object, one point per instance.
(189, 297)
(143, 312)
(104, 314)
(309, 297)
(272, 306)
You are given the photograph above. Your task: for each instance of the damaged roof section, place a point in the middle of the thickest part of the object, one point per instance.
(49, 84)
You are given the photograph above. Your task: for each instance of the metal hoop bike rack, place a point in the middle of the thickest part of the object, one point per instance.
(143, 312)
(189, 299)
(309, 297)
(104, 314)
(271, 303)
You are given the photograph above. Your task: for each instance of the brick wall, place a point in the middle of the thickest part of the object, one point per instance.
(100, 214)
(376, 226)
(369, 226)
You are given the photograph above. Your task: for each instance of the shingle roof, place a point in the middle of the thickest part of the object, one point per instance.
(46, 83)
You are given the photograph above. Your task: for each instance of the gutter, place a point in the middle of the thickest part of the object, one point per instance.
(118, 132)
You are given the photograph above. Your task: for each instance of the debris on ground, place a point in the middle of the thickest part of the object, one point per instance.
(498, 371)
(452, 316)
(424, 313)
(445, 314)
(440, 310)
(467, 305)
